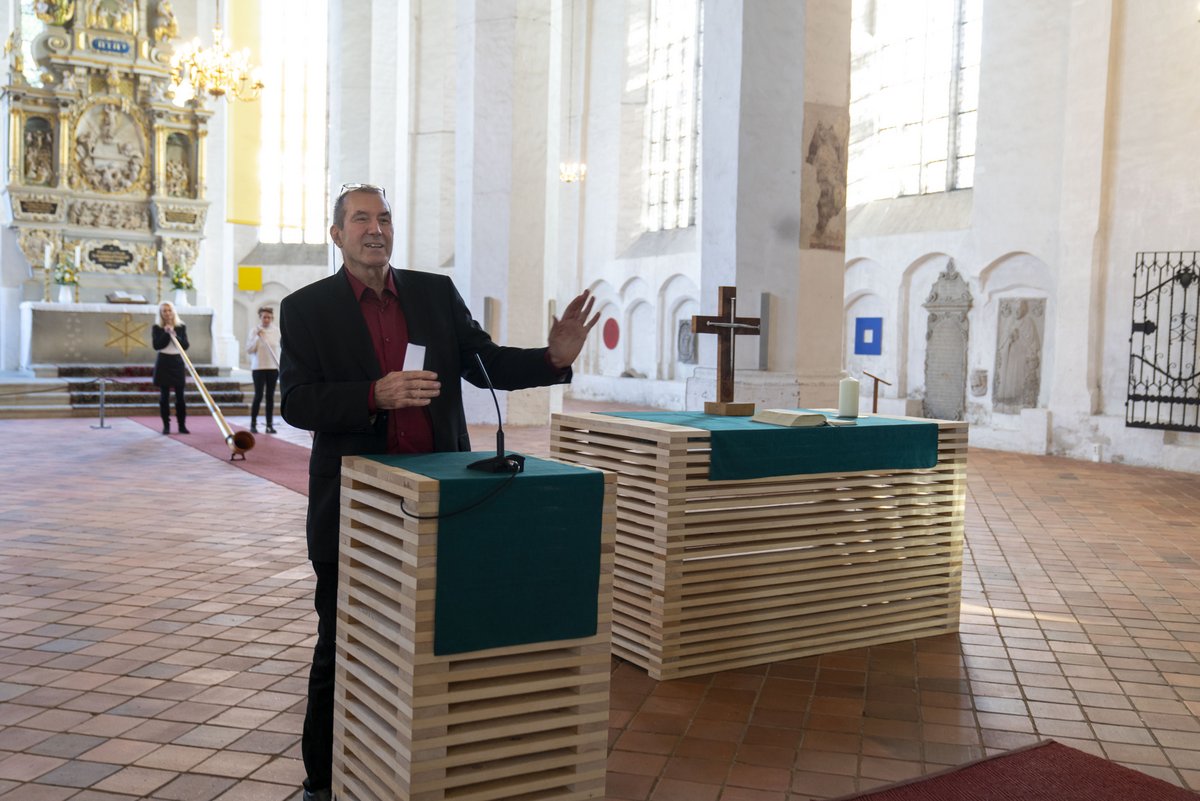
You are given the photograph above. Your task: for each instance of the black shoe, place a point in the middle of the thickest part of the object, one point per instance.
(270, 428)
(318, 795)
(254, 428)
(183, 429)
(166, 428)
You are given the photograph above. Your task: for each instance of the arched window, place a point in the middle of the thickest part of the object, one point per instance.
(914, 89)
(292, 161)
(673, 114)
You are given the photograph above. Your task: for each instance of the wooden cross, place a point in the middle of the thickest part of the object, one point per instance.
(726, 325)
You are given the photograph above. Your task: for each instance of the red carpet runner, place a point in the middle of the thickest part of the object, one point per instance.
(271, 458)
(1048, 771)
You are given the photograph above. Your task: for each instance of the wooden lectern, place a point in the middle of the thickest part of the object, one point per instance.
(416, 717)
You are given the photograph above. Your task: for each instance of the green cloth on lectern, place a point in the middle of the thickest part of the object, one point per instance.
(744, 449)
(521, 567)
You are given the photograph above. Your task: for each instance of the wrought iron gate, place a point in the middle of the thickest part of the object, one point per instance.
(1164, 377)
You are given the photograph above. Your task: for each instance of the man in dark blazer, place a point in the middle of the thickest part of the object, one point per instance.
(341, 357)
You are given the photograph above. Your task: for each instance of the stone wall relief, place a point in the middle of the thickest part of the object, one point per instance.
(110, 149)
(38, 167)
(823, 179)
(1020, 328)
(946, 335)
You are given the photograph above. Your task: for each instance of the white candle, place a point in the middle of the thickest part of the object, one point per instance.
(46, 259)
(78, 253)
(848, 396)
(160, 262)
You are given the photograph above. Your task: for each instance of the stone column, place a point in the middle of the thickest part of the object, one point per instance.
(775, 123)
(503, 57)
(1086, 185)
(215, 270)
(370, 42)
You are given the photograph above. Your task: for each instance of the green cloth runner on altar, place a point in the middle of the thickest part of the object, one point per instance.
(743, 449)
(521, 567)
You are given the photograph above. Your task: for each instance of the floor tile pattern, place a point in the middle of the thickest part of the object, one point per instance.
(155, 630)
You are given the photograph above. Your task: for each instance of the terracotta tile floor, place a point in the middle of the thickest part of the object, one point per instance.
(155, 634)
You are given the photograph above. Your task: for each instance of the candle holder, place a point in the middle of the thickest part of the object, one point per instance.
(47, 272)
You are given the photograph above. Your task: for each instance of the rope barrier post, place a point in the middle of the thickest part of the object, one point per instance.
(102, 382)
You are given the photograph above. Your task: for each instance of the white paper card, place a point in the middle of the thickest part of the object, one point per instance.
(414, 357)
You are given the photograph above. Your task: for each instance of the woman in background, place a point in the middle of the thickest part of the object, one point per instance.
(262, 344)
(169, 372)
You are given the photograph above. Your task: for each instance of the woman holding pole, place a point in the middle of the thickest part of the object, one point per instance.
(169, 372)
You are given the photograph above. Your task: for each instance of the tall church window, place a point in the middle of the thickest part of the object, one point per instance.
(672, 119)
(914, 91)
(292, 162)
(30, 27)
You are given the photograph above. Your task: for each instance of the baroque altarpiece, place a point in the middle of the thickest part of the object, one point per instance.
(100, 158)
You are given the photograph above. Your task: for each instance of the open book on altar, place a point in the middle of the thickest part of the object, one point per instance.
(789, 417)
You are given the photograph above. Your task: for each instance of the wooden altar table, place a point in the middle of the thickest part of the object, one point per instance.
(718, 574)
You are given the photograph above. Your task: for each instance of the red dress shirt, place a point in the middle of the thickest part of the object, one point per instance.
(410, 429)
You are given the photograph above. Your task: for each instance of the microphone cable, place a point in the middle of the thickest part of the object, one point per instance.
(467, 508)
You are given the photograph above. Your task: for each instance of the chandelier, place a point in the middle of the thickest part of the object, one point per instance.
(214, 70)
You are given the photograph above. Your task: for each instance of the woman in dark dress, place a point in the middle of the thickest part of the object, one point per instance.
(169, 371)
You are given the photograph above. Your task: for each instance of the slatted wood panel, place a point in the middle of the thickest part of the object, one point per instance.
(528, 721)
(713, 575)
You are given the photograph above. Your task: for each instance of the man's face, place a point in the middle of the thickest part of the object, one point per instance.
(366, 235)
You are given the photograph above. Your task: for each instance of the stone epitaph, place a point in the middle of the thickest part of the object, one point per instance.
(1018, 376)
(946, 336)
(726, 325)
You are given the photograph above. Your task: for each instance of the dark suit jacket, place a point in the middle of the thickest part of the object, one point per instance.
(327, 365)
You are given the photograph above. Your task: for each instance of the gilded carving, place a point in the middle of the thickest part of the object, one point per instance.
(177, 179)
(180, 252)
(181, 216)
(107, 214)
(110, 149)
(37, 206)
(39, 154)
(166, 27)
(33, 241)
(112, 15)
(147, 258)
(54, 12)
(110, 256)
(85, 163)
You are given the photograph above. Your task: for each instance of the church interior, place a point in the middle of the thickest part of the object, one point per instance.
(982, 212)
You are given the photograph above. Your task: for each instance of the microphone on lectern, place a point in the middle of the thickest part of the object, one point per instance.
(500, 463)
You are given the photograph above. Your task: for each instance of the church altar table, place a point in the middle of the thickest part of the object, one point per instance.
(472, 650)
(715, 574)
(103, 333)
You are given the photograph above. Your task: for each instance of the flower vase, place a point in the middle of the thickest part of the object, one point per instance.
(66, 293)
(180, 298)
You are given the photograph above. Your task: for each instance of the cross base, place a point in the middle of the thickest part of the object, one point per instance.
(726, 409)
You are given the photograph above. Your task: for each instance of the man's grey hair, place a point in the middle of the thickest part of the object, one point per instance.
(339, 205)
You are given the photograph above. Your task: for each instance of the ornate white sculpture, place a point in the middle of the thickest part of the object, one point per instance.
(109, 152)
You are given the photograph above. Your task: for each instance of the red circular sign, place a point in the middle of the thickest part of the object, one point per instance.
(612, 333)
